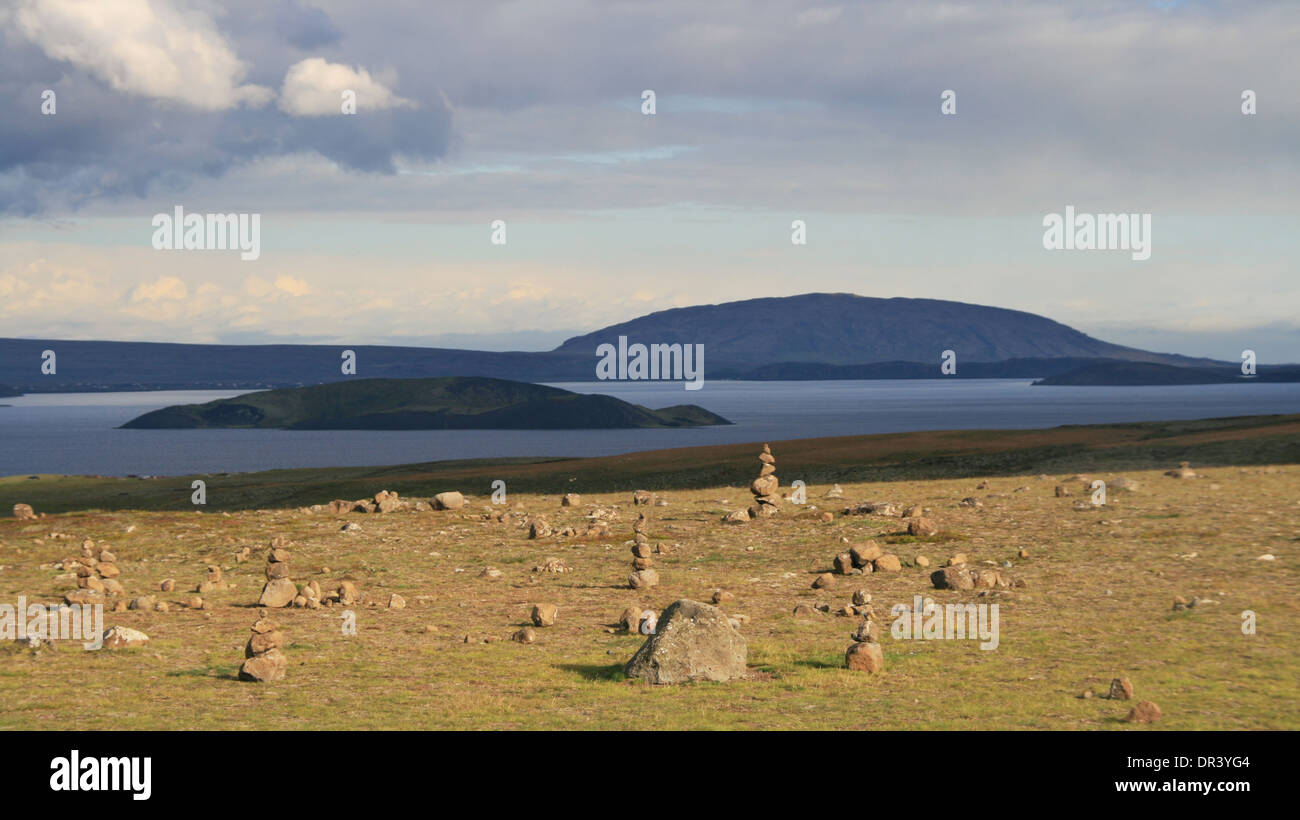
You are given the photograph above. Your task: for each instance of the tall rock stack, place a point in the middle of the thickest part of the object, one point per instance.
(765, 486)
(263, 659)
(643, 576)
(280, 590)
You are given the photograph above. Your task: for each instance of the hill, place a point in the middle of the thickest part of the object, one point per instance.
(844, 329)
(423, 404)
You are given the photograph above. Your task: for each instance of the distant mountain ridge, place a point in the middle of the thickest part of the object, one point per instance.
(422, 404)
(845, 329)
(814, 335)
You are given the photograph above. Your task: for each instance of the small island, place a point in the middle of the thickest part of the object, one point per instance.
(456, 403)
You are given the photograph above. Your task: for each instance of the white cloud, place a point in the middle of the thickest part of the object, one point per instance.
(313, 88)
(145, 47)
(165, 288)
(292, 285)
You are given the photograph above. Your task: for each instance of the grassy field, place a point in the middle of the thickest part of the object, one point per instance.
(1097, 600)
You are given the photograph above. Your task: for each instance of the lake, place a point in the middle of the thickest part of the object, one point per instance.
(74, 433)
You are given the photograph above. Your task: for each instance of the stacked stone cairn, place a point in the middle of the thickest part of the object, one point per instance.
(764, 488)
(280, 590)
(263, 659)
(643, 576)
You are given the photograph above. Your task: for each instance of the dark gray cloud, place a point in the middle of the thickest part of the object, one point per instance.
(304, 26)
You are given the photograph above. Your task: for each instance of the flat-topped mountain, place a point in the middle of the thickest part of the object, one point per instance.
(844, 329)
(423, 404)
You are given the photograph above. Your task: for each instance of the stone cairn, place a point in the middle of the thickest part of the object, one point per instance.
(263, 659)
(97, 574)
(643, 576)
(865, 654)
(280, 590)
(765, 486)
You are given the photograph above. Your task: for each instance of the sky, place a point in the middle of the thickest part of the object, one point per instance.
(377, 227)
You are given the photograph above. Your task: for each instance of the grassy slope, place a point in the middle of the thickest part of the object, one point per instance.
(1096, 605)
(1237, 441)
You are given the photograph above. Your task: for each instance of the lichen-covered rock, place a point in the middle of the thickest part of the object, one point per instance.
(692, 641)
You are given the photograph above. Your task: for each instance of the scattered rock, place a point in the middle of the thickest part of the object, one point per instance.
(865, 656)
(544, 614)
(448, 501)
(693, 641)
(121, 637)
(1144, 712)
(921, 527)
(1121, 689)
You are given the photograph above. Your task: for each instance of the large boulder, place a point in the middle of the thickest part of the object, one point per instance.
(448, 501)
(24, 512)
(692, 641)
(278, 592)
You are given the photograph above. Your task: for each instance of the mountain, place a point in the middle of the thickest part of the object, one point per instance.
(423, 404)
(844, 329)
(815, 335)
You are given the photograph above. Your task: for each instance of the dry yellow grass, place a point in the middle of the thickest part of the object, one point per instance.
(1100, 585)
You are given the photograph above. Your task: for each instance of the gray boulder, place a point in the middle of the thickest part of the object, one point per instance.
(692, 641)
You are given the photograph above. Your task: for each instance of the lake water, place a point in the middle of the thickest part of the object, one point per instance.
(67, 433)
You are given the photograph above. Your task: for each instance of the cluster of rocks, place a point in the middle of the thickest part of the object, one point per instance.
(643, 574)
(1184, 471)
(24, 512)
(958, 575)
(1122, 689)
(387, 501)
(860, 560)
(645, 498)
(97, 575)
(280, 590)
(263, 659)
(542, 616)
(692, 641)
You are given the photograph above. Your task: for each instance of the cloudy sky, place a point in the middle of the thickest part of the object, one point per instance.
(376, 227)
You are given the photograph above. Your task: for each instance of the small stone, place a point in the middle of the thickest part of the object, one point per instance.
(1121, 689)
(861, 597)
(168, 585)
(922, 562)
(843, 563)
(1144, 712)
(525, 635)
(491, 573)
(922, 527)
(630, 620)
(865, 656)
(544, 614)
(722, 596)
(396, 601)
(643, 579)
(888, 563)
(824, 581)
(121, 637)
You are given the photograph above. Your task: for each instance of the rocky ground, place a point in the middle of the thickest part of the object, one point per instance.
(1151, 587)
